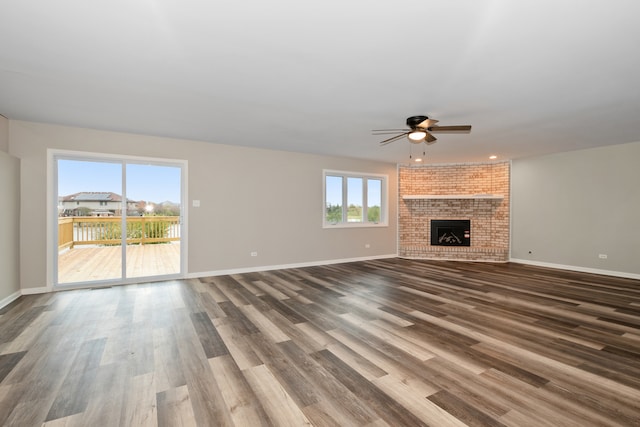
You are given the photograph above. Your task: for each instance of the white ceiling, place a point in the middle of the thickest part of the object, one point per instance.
(532, 77)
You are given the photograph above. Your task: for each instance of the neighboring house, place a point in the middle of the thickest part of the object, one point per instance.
(93, 204)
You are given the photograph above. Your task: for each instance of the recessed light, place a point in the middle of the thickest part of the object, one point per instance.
(493, 157)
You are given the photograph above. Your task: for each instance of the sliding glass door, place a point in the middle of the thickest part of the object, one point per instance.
(153, 223)
(117, 220)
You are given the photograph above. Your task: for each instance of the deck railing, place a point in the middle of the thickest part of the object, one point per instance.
(82, 230)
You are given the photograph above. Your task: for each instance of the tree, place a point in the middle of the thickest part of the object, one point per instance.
(333, 213)
(354, 213)
(373, 214)
(83, 211)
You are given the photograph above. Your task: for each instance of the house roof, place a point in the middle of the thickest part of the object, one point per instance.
(92, 197)
(532, 77)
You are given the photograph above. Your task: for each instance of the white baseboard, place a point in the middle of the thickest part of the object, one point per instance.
(577, 268)
(283, 266)
(11, 298)
(32, 291)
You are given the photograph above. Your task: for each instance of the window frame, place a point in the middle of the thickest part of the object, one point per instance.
(384, 197)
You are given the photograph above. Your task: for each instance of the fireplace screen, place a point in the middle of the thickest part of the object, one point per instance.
(450, 232)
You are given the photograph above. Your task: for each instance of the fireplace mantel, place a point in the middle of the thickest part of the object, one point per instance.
(452, 196)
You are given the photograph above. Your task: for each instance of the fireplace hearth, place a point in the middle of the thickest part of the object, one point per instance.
(450, 232)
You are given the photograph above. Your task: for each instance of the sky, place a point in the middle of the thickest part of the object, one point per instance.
(354, 191)
(151, 183)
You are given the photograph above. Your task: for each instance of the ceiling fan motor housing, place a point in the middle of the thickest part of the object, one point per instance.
(414, 121)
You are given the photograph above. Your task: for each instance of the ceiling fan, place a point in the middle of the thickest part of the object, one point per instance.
(420, 130)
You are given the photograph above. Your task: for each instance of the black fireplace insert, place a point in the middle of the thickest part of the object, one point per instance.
(450, 232)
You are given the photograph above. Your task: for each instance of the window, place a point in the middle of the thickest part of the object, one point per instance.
(354, 200)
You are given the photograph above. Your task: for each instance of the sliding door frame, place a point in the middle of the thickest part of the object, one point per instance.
(52, 214)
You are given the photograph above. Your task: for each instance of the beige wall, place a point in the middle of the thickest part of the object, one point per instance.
(9, 225)
(568, 208)
(4, 134)
(251, 200)
(9, 218)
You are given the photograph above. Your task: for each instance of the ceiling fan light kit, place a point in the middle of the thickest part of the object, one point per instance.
(417, 136)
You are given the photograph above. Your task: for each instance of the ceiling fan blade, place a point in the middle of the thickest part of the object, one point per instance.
(459, 128)
(393, 138)
(430, 139)
(389, 130)
(427, 123)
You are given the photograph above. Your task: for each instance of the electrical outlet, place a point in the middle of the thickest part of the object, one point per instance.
(602, 256)
(366, 245)
(254, 253)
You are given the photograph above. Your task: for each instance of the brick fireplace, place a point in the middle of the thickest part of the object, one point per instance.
(477, 192)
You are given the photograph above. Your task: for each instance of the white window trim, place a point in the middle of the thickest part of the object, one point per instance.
(384, 197)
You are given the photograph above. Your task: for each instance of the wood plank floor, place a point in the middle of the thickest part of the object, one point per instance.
(377, 343)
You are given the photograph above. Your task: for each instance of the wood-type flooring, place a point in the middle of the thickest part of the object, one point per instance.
(388, 342)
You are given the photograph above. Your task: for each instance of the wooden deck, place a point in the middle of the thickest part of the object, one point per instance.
(89, 263)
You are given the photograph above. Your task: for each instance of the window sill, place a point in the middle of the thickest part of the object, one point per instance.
(355, 225)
